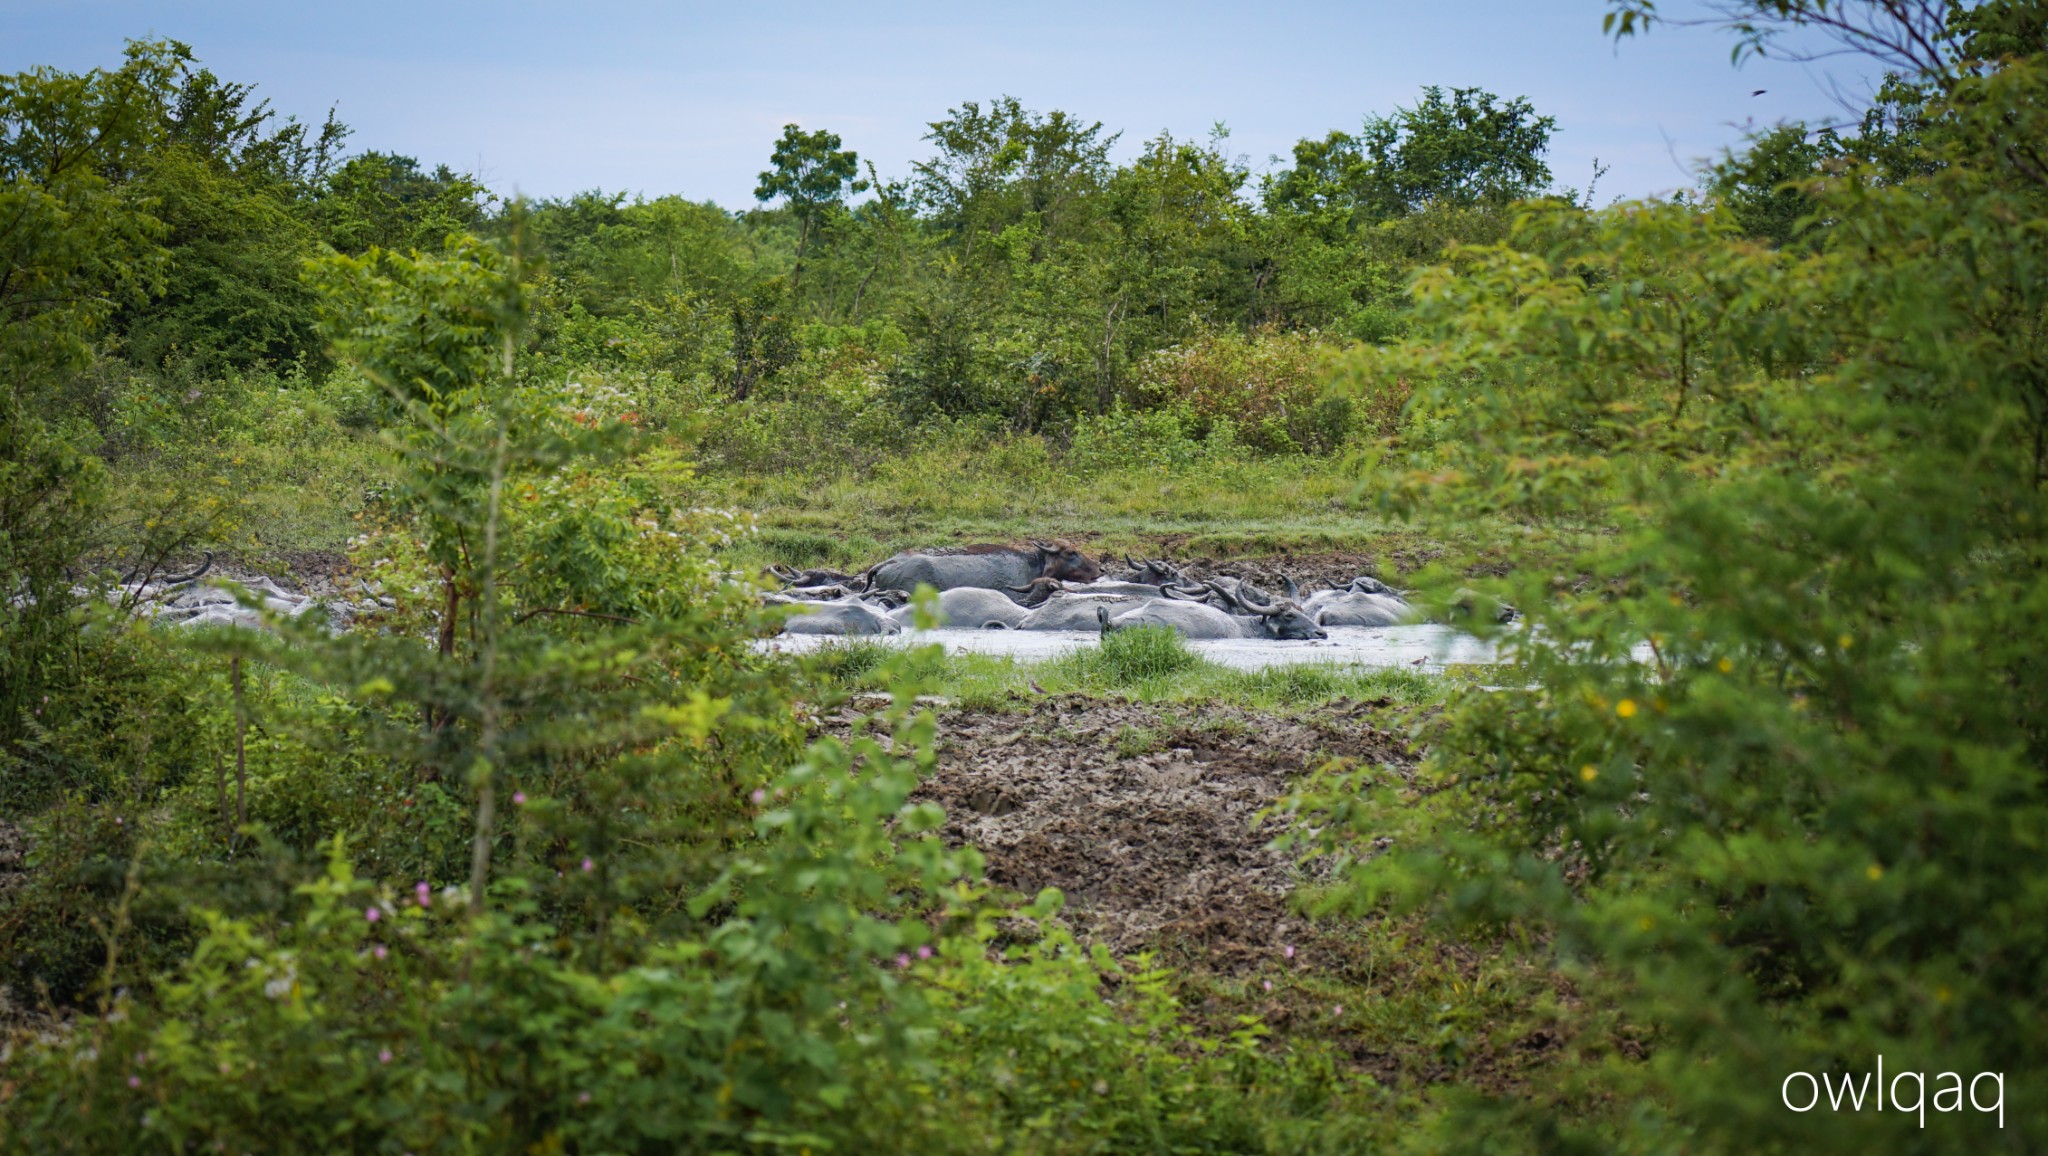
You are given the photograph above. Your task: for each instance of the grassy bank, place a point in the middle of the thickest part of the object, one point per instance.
(1142, 665)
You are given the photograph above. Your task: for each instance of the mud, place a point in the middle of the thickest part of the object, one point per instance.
(1145, 815)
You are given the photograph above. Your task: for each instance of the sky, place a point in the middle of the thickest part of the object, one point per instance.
(651, 98)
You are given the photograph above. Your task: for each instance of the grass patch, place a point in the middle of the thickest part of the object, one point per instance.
(1143, 665)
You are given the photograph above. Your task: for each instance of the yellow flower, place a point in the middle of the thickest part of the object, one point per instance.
(1589, 772)
(1874, 871)
(1845, 642)
(1626, 708)
(1727, 665)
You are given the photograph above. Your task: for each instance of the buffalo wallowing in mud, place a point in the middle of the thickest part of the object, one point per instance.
(1054, 586)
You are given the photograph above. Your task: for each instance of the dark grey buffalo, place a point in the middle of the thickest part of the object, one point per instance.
(841, 616)
(986, 567)
(1197, 620)
(968, 607)
(1152, 572)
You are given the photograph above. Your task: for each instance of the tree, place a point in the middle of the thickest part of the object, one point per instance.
(73, 245)
(386, 201)
(1467, 149)
(1000, 166)
(1779, 807)
(813, 176)
(1768, 188)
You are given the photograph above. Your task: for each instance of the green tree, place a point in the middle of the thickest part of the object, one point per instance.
(813, 177)
(380, 200)
(1462, 150)
(73, 245)
(1768, 188)
(1779, 807)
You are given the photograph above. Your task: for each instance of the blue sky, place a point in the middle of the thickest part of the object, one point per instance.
(547, 99)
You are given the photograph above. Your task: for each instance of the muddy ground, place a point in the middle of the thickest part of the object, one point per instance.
(1145, 815)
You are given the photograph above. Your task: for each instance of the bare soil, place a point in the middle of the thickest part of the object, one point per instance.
(1144, 815)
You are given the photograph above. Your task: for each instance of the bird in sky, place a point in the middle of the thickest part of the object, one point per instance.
(1760, 92)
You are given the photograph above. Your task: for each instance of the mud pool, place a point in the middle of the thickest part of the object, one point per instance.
(1424, 647)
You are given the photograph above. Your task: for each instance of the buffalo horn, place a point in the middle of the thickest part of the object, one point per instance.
(195, 575)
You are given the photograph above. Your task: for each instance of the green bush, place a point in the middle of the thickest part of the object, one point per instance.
(1775, 788)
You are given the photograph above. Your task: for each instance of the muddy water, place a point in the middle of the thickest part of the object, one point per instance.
(1419, 647)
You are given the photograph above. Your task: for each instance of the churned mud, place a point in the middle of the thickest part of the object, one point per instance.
(1145, 815)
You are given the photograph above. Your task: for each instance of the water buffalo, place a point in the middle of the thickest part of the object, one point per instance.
(1037, 591)
(820, 577)
(1347, 607)
(987, 567)
(1196, 620)
(843, 616)
(1153, 572)
(970, 607)
(1077, 611)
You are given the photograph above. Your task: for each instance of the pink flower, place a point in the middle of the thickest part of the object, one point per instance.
(519, 798)
(423, 893)
(583, 1097)
(384, 1056)
(1267, 984)
(372, 914)
(589, 866)
(902, 960)
(1288, 951)
(135, 1081)
(924, 951)
(758, 795)
(1338, 1010)
(379, 951)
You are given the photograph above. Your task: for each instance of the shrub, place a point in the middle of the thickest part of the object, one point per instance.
(1268, 385)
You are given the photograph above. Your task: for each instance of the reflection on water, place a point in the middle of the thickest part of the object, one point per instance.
(1417, 647)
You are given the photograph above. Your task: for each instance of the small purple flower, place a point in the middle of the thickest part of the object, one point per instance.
(583, 1097)
(423, 893)
(372, 914)
(758, 795)
(902, 960)
(519, 798)
(384, 1056)
(1267, 984)
(379, 951)
(588, 865)
(1338, 1010)
(924, 951)
(135, 1081)
(1288, 951)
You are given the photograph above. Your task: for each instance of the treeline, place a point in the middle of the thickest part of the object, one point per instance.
(1020, 275)
(1020, 271)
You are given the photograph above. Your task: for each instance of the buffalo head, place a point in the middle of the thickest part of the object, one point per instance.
(1060, 560)
(1290, 623)
(1035, 592)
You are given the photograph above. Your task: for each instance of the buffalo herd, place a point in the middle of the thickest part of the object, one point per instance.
(1053, 586)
